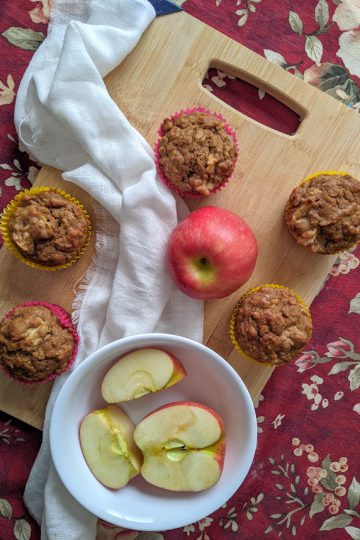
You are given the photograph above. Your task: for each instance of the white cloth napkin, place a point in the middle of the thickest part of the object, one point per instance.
(65, 118)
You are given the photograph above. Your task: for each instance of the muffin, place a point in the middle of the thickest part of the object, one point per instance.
(46, 228)
(271, 324)
(323, 213)
(37, 342)
(196, 152)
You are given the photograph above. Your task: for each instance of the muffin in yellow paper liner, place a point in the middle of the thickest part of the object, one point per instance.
(17, 202)
(297, 309)
(324, 215)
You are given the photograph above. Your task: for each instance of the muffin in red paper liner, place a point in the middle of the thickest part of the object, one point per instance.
(323, 212)
(196, 152)
(45, 228)
(37, 342)
(270, 324)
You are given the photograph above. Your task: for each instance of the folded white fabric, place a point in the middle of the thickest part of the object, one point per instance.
(128, 289)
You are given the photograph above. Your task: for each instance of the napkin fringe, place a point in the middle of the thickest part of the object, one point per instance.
(106, 249)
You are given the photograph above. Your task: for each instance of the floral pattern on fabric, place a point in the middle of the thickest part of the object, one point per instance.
(304, 481)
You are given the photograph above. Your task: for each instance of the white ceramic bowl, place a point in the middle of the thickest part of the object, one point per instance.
(210, 380)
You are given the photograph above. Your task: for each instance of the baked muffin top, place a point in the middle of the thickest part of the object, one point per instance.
(48, 229)
(33, 344)
(196, 152)
(323, 214)
(271, 325)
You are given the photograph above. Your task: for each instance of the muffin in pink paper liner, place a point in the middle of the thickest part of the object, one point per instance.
(37, 342)
(45, 228)
(196, 152)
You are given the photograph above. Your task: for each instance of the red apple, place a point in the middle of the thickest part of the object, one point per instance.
(211, 253)
(141, 372)
(183, 445)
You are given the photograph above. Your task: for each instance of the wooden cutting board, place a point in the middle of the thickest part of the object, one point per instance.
(162, 75)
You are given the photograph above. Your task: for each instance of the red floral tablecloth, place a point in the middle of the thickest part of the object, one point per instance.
(303, 480)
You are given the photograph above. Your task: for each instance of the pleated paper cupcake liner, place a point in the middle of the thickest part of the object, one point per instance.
(64, 318)
(11, 246)
(233, 319)
(160, 171)
(288, 210)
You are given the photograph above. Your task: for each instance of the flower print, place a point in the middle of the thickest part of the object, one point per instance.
(218, 79)
(333, 509)
(310, 390)
(17, 173)
(313, 457)
(340, 479)
(205, 522)
(325, 403)
(316, 472)
(356, 408)
(7, 93)
(328, 499)
(339, 349)
(335, 466)
(188, 529)
(340, 491)
(8, 434)
(347, 17)
(295, 441)
(311, 471)
(41, 12)
(347, 261)
(306, 361)
(338, 395)
(309, 448)
(316, 379)
(313, 482)
(278, 420)
(260, 420)
(298, 452)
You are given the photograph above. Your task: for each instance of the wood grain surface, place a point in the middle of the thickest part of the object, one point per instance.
(163, 75)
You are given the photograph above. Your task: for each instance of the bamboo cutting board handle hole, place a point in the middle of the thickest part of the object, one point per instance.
(273, 109)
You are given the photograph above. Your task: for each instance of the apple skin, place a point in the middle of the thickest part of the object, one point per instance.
(141, 372)
(211, 253)
(218, 449)
(183, 446)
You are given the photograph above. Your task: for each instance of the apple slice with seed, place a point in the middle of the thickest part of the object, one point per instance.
(141, 372)
(183, 445)
(107, 443)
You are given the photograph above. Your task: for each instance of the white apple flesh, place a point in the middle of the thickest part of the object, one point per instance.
(141, 372)
(211, 253)
(183, 445)
(107, 443)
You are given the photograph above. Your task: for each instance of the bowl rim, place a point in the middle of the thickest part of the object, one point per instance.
(137, 340)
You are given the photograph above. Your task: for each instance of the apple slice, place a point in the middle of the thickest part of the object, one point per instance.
(106, 438)
(183, 445)
(141, 372)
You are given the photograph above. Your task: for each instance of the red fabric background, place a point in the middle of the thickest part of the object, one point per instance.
(308, 416)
